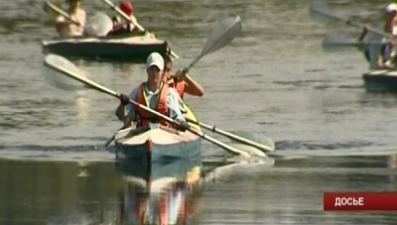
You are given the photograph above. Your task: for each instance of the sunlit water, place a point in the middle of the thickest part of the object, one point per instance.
(273, 79)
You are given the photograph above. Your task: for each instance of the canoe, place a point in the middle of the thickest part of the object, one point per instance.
(380, 80)
(116, 47)
(157, 143)
(168, 193)
(140, 172)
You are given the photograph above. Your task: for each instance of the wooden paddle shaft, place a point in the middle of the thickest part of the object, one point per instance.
(119, 11)
(62, 13)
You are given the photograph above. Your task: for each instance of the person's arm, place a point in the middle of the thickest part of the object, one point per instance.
(125, 110)
(82, 19)
(60, 23)
(136, 25)
(363, 32)
(191, 86)
(173, 105)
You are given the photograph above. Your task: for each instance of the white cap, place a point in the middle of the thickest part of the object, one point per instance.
(391, 7)
(155, 59)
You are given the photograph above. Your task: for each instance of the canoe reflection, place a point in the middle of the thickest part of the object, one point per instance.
(159, 193)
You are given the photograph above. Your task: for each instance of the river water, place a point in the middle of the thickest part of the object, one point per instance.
(273, 79)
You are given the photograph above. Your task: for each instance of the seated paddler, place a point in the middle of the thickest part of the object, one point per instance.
(122, 26)
(67, 28)
(181, 81)
(153, 93)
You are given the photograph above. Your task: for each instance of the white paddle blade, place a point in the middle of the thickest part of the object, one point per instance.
(248, 149)
(256, 137)
(337, 41)
(99, 25)
(225, 31)
(55, 77)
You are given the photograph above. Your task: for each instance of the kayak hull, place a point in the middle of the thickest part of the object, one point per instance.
(380, 81)
(128, 48)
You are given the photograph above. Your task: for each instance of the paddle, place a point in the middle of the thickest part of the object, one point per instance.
(336, 41)
(221, 35)
(59, 11)
(233, 136)
(126, 17)
(112, 138)
(98, 25)
(323, 12)
(55, 63)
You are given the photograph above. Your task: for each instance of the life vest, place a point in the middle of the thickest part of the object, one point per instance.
(179, 87)
(144, 117)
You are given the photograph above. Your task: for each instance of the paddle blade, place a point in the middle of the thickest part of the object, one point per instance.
(248, 149)
(320, 11)
(225, 31)
(56, 78)
(337, 41)
(98, 25)
(256, 137)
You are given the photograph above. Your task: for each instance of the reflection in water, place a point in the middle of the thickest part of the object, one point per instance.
(61, 81)
(384, 100)
(171, 192)
(159, 193)
(83, 107)
(58, 193)
(392, 164)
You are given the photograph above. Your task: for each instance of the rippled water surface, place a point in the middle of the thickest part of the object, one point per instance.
(273, 79)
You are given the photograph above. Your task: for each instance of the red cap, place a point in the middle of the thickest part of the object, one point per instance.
(126, 7)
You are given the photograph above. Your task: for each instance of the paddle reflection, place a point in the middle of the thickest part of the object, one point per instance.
(159, 193)
(392, 164)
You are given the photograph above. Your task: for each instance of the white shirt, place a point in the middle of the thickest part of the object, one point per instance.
(73, 29)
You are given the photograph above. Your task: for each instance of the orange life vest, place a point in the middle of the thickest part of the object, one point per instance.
(179, 87)
(162, 107)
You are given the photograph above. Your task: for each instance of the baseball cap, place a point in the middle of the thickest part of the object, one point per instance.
(391, 7)
(155, 59)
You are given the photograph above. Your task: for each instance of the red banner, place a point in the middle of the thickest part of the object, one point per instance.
(360, 201)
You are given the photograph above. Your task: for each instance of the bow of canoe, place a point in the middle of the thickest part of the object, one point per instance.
(380, 80)
(157, 143)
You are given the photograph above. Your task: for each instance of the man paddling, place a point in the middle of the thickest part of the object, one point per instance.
(154, 94)
(121, 26)
(386, 56)
(182, 82)
(67, 28)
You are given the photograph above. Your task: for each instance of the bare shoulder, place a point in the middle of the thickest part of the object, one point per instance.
(82, 12)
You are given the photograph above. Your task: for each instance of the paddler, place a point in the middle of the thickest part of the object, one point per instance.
(122, 26)
(155, 94)
(386, 54)
(67, 28)
(181, 81)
